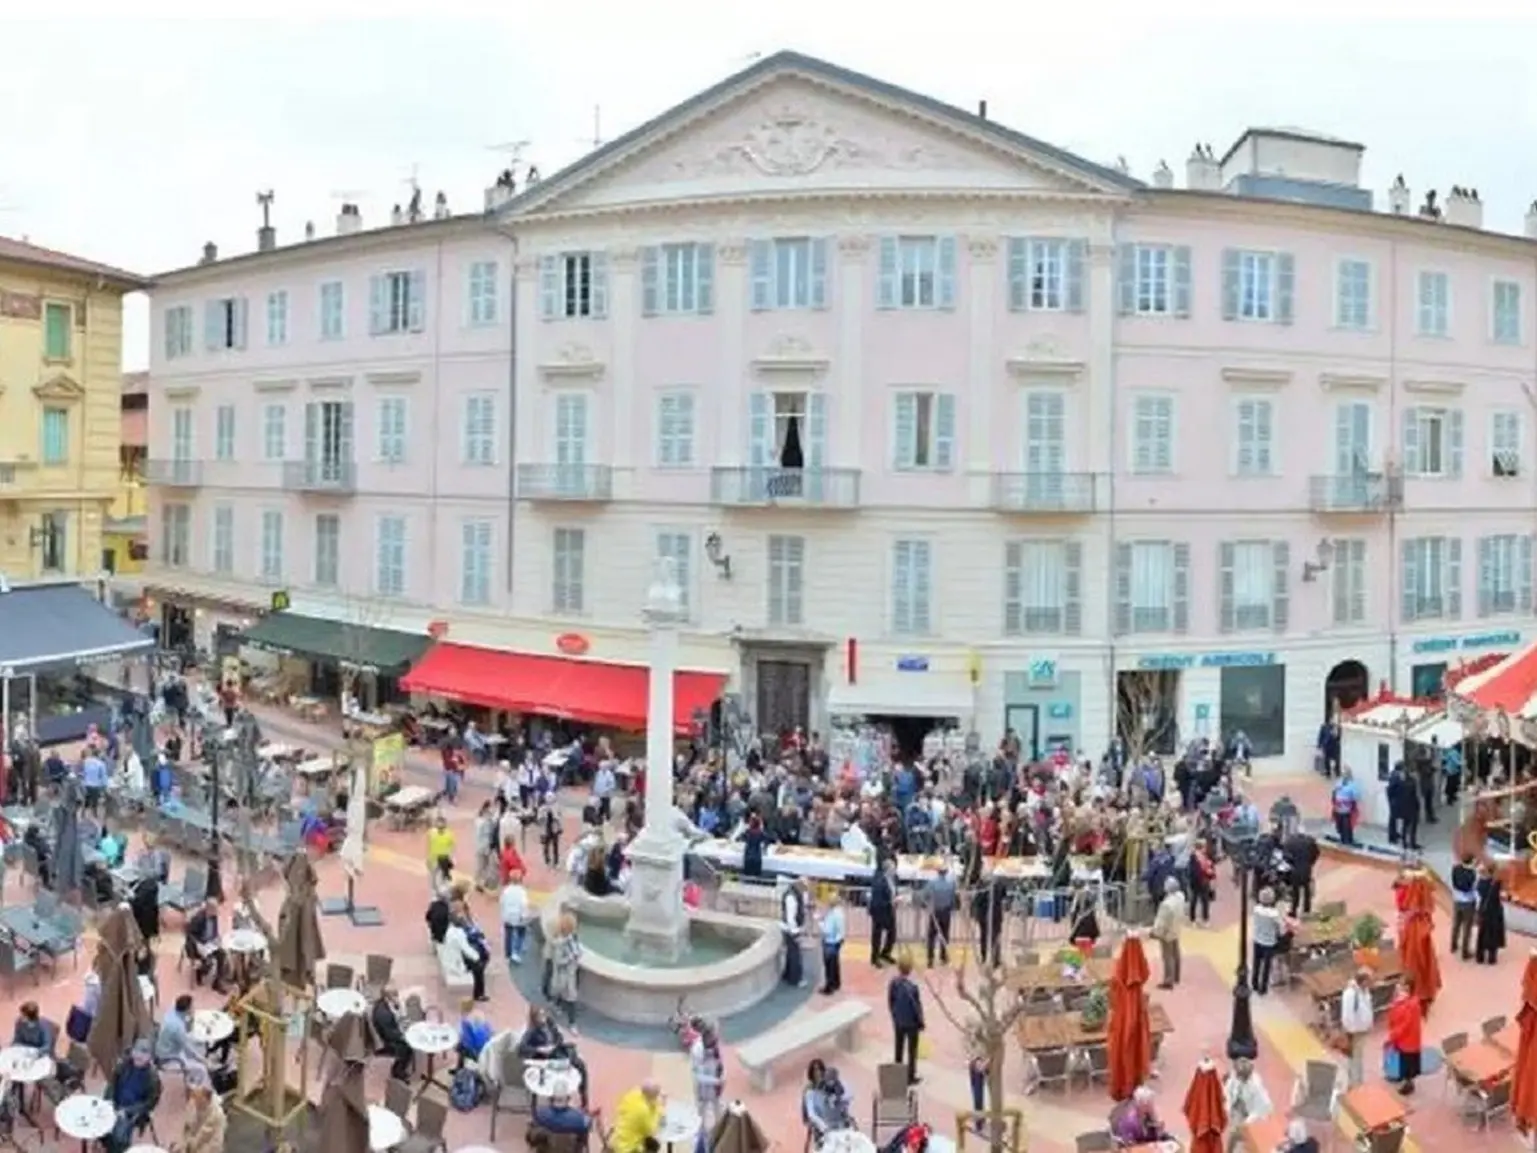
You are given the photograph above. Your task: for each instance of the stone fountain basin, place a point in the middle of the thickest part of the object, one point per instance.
(641, 994)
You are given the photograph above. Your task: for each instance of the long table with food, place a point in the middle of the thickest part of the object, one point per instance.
(1068, 1031)
(840, 865)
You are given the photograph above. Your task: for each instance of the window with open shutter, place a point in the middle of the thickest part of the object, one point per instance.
(911, 588)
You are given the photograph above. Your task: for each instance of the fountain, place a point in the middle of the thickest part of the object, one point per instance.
(644, 953)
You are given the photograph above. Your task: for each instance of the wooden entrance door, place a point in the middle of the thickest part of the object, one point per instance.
(784, 696)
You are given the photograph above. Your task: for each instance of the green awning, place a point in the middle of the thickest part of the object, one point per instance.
(360, 646)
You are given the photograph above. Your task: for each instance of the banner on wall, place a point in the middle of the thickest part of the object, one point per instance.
(389, 760)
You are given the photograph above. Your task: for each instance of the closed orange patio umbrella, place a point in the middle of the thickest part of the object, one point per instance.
(1130, 1034)
(1206, 1109)
(1523, 1080)
(1416, 946)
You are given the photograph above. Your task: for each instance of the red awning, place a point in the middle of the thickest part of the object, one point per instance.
(592, 691)
(1508, 686)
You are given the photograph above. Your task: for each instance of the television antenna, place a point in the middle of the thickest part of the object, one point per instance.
(513, 150)
(348, 195)
(596, 141)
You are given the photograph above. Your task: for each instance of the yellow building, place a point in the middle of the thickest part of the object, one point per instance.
(61, 348)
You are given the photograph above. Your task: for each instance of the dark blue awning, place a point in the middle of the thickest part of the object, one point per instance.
(52, 626)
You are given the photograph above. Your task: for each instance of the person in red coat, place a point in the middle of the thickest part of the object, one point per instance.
(1405, 1018)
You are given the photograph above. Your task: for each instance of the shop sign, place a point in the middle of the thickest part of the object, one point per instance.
(572, 644)
(1041, 672)
(1175, 661)
(912, 664)
(1507, 639)
(1059, 711)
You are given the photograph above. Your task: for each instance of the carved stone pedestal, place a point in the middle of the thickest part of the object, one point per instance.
(658, 924)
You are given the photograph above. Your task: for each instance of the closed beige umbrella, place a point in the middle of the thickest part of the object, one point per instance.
(299, 945)
(343, 1114)
(123, 1015)
(737, 1131)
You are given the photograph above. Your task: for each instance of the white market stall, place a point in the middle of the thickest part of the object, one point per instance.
(1372, 741)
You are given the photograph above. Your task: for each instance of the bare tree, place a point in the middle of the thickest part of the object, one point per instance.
(992, 1010)
(1143, 722)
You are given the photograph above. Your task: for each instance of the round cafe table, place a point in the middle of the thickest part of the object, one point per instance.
(385, 1130)
(210, 1026)
(846, 1141)
(245, 941)
(338, 1003)
(680, 1123)
(85, 1117)
(548, 1079)
(25, 1065)
(146, 1149)
(431, 1039)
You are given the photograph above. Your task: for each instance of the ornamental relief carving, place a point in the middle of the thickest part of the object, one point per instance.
(982, 247)
(731, 253)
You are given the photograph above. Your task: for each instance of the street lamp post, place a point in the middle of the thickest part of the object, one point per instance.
(215, 873)
(1241, 1043)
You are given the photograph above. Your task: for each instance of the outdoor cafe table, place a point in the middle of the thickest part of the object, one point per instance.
(1482, 1063)
(1316, 934)
(23, 922)
(1265, 1135)
(316, 768)
(1067, 1030)
(1052, 976)
(1330, 981)
(1374, 1107)
(1508, 1038)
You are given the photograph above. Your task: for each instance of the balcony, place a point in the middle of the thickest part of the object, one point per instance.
(566, 482)
(1043, 492)
(1355, 492)
(174, 473)
(793, 487)
(322, 475)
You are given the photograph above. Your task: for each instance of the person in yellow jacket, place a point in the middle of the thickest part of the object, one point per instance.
(637, 1118)
(440, 843)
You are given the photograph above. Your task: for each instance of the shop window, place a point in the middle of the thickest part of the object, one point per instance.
(1428, 682)
(1254, 701)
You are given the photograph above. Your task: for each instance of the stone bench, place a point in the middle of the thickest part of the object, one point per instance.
(742, 899)
(840, 1020)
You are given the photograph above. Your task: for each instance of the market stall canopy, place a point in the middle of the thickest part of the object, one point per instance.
(346, 643)
(53, 626)
(915, 695)
(592, 691)
(1509, 686)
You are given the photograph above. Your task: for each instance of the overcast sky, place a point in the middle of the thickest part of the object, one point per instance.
(133, 142)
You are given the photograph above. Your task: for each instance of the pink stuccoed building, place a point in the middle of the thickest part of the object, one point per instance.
(935, 419)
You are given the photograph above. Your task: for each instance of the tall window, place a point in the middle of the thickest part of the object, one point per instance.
(1505, 321)
(678, 548)
(328, 550)
(58, 330)
(480, 428)
(224, 539)
(333, 320)
(574, 284)
(678, 279)
(328, 441)
(53, 547)
(1152, 587)
(1431, 580)
(1434, 295)
(1248, 585)
(1504, 574)
(175, 535)
(568, 594)
(1154, 280)
(274, 431)
(182, 419)
(397, 302)
(1254, 439)
(224, 323)
(1256, 285)
(481, 293)
(675, 429)
(1505, 443)
(1151, 279)
(277, 317)
(475, 562)
(272, 545)
(1349, 568)
(178, 332)
(786, 581)
(224, 432)
(924, 432)
(1432, 441)
(912, 589)
(1035, 588)
(1353, 295)
(790, 272)
(392, 429)
(55, 436)
(390, 559)
(1045, 274)
(1152, 434)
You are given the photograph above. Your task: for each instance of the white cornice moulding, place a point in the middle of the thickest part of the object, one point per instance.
(1052, 368)
(330, 383)
(1266, 379)
(275, 385)
(1434, 387)
(399, 376)
(572, 362)
(791, 354)
(1350, 382)
(182, 392)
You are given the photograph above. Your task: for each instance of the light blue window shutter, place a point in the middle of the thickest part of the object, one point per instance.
(549, 287)
(650, 280)
(1227, 559)
(1411, 440)
(1285, 286)
(1524, 574)
(762, 256)
(1125, 278)
(242, 314)
(946, 294)
(311, 433)
(598, 267)
(1280, 594)
(1230, 277)
(905, 431)
(344, 434)
(819, 273)
(1122, 589)
(1409, 564)
(1073, 276)
(1019, 273)
(816, 431)
(923, 587)
(886, 291)
(378, 311)
(1072, 588)
(1485, 575)
(759, 430)
(1264, 431)
(1182, 588)
(944, 431)
(901, 587)
(704, 271)
(416, 301)
(1182, 280)
(1454, 578)
(1454, 439)
(213, 325)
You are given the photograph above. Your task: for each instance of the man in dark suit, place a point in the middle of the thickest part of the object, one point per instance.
(385, 1018)
(904, 1001)
(883, 913)
(202, 945)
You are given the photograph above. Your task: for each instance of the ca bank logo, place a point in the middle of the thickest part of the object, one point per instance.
(1042, 672)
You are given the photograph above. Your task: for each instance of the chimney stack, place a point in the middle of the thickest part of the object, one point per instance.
(1531, 221)
(309, 230)
(1463, 207)
(982, 109)
(266, 238)
(440, 207)
(1202, 174)
(1398, 197)
(1163, 175)
(349, 220)
(397, 216)
(210, 253)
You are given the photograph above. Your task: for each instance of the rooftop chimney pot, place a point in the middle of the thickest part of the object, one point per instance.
(210, 253)
(982, 109)
(349, 220)
(1202, 173)
(266, 238)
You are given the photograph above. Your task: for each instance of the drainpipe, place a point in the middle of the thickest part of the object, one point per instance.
(512, 404)
(1113, 409)
(436, 442)
(1395, 575)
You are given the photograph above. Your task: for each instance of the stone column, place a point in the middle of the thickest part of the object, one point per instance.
(658, 924)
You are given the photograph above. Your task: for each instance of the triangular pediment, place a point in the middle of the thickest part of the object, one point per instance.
(795, 124)
(59, 388)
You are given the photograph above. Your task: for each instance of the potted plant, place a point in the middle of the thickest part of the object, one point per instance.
(1070, 959)
(1096, 1008)
(1366, 936)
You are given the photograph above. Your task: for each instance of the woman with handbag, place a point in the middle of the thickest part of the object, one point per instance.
(1405, 1027)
